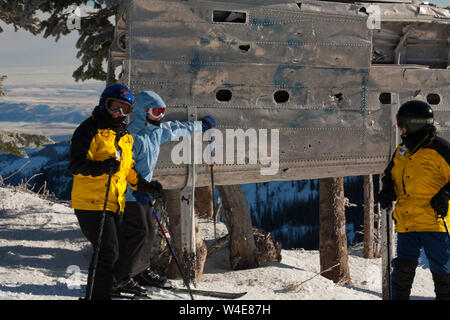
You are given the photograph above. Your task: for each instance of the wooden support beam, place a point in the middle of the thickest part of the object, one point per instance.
(242, 244)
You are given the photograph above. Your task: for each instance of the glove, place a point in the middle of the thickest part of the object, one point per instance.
(142, 198)
(154, 187)
(110, 165)
(386, 197)
(440, 202)
(207, 123)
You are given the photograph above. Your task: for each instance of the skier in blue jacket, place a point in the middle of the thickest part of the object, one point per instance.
(136, 232)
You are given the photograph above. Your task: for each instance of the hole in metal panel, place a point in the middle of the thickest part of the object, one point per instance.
(385, 98)
(244, 47)
(229, 16)
(224, 95)
(339, 96)
(433, 98)
(281, 96)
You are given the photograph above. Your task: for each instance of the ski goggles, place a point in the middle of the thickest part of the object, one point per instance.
(401, 123)
(156, 113)
(116, 105)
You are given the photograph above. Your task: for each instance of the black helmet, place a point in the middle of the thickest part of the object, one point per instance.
(415, 115)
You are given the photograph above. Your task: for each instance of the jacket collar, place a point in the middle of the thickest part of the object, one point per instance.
(105, 122)
(414, 142)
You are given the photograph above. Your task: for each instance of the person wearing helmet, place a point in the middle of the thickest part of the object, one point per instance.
(101, 146)
(417, 178)
(137, 231)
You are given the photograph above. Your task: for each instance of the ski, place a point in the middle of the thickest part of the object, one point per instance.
(126, 296)
(207, 293)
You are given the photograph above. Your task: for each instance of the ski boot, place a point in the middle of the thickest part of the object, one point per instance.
(152, 279)
(129, 286)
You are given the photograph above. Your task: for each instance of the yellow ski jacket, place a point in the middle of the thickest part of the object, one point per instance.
(417, 178)
(92, 142)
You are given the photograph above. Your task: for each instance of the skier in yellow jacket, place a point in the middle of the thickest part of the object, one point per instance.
(101, 146)
(417, 178)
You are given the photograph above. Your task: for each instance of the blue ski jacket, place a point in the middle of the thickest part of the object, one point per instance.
(148, 137)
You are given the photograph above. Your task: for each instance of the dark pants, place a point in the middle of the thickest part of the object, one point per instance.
(135, 239)
(437, 249)
(109, 249)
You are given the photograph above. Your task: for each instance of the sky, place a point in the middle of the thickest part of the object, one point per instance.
(34, 59)
(442, 3)
(26, 57)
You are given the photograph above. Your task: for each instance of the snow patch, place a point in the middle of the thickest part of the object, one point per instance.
(40, 243)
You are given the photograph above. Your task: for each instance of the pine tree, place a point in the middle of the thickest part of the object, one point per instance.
(13, 143)
(50, 18)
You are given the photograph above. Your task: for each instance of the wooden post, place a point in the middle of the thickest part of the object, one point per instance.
(192, 248)
(242, 244)
(187, 223)
(333, 239)
(369, 252)
(203, 203)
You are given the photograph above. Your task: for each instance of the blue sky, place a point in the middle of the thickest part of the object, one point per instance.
(442, 3)
(25, 50)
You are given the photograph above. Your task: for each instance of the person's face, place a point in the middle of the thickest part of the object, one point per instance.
(403, 131)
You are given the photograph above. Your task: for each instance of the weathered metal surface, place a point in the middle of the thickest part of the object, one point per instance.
(337, 82)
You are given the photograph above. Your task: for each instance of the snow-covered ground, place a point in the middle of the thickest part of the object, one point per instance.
(44, 256)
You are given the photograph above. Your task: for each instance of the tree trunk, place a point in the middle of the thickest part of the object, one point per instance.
(203, 202)
(243, 253)
(369, 244)
(193, 272)
(333, 240)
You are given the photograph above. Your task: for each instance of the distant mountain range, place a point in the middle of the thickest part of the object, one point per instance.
(22, 112)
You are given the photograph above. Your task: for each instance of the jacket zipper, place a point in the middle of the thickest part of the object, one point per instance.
(403, 181)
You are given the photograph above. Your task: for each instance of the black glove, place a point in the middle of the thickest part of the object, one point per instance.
(440, 202)
(154, 187)
(386, 197)
(109, 165)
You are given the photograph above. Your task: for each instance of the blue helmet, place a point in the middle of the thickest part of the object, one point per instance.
(116, 91)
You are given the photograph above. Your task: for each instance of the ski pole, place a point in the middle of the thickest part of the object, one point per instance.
(186, 283)
(99, 239)
(213, 189)
(446, 227)
(386, 254)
